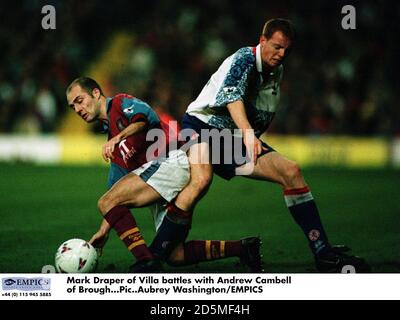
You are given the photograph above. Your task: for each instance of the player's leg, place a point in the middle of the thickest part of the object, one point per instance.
(195, 251)
(176, 225)
(129, 191)
(299, 200)
(201, 173)
(274, 167)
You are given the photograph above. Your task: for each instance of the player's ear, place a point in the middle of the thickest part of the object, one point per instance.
(96, 93)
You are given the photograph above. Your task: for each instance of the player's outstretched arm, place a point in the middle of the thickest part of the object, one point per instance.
(100, 238)
(239, 116)
(109, 146)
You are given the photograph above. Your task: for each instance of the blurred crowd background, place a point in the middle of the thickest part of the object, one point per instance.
(336, 81)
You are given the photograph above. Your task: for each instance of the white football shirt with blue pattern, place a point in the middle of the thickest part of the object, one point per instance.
(239, 78)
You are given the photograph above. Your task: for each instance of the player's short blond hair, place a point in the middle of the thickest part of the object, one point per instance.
(283, 25)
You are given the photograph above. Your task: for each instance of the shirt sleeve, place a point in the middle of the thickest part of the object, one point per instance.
(236, 79)
(136, 110)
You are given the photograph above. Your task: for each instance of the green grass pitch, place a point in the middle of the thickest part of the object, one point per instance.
(42, 206)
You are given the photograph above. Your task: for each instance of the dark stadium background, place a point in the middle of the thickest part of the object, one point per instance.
(337, 83)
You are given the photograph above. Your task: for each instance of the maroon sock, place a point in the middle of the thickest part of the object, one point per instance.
(123, 222)
(178, 215)
(204, 250)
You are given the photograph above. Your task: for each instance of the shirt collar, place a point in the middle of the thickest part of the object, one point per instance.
(258, 58)
(259, 62)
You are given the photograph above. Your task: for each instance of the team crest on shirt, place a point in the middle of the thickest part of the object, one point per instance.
(229, 90)
(129, 110)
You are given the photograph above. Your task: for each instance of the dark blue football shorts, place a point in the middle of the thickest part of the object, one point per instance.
(227, 154)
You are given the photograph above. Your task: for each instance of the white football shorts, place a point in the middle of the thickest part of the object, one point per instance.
(168, 177)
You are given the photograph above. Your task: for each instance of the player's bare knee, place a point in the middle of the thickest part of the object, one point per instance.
(105, 204)
(292, 172)
(101, 205)
(202, 181)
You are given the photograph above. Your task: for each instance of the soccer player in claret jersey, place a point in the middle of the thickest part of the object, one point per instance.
(138, 178)
(243, 95)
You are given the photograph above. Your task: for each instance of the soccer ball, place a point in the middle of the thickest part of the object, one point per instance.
(76, 256)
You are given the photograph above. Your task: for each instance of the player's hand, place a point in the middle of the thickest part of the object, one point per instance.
(98, 241)
(108, 149)
(253, 145)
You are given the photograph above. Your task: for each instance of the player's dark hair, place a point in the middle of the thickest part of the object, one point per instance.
(283, 25)
(87, 84)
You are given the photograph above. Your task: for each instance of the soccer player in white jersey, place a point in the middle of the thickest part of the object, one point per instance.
(244, 94)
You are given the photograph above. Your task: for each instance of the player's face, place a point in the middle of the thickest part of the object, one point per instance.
(274, 49)
(86, 105)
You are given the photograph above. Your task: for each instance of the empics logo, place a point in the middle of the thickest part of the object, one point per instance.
(8, 282)
(26, 284)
